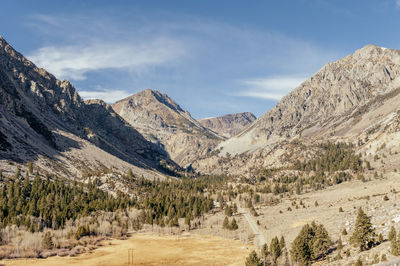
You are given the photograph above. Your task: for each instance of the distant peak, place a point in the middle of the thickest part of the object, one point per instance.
(249, 115)
(150, 95)
(153, 92)
(96, 101)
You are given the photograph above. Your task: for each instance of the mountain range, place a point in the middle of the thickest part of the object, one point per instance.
(44, 120)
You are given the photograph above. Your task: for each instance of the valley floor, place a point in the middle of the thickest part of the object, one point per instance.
(152, 249)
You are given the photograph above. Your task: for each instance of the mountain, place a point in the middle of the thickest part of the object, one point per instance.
(347, 100)
(163, 122)
(44, 120)
(228, 125)
(333, 94)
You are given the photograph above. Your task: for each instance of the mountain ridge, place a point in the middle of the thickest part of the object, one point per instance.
(325, 84)
(228, 125)
(343, 101)
(166, 124)
(43, 118)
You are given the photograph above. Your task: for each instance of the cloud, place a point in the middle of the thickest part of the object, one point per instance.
(398, 3)
(192, 58)
(75, 61)
(107, 95)
(273, 88)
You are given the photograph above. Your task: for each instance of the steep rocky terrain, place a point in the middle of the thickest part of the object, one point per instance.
(228, 125)
(355, 99)
(44, 120)
(163, 122)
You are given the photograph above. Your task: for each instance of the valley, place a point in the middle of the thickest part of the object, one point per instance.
(314, 180)
(171, 250)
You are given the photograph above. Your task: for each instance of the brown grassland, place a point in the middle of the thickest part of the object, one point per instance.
(151, 249)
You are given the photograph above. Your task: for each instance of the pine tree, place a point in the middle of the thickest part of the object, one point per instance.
(364, 234)
(225, 223)
(282, 243)
(187, 220)
(252, 259)
(275, 249)
(233, 225)
(264, 252)
(47, 241)
(311, 243)
(340, 244)
(322, 241)
(395, 246)
(392, 234)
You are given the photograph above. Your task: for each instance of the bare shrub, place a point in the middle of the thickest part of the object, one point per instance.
(105, 228)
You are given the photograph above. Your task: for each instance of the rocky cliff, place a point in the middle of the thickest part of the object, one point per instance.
(228, 125)
(163, 122)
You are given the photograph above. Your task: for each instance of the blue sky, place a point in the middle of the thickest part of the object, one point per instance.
(212, 57)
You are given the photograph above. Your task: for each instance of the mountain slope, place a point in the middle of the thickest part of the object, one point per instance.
(329, 96)
(228, 125)
(355, 99)
(43, 119)
(164, 122)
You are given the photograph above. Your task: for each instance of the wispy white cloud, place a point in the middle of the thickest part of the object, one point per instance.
(398, 3)
(191, 57)
(107, 95)
(75, 61)
(273, 88)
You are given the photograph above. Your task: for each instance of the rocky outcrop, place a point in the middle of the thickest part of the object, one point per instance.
(228, 125)
(43, 118)
(163, 122)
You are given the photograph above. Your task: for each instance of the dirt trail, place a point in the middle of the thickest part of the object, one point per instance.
(258, 235)
(155, 250)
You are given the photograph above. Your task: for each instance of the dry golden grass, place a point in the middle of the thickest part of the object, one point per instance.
(150, 249)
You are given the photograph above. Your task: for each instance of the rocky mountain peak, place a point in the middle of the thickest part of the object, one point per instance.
(163, 110)
(160, 97)
(371, 49)
(228, 125)
(162, 121)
